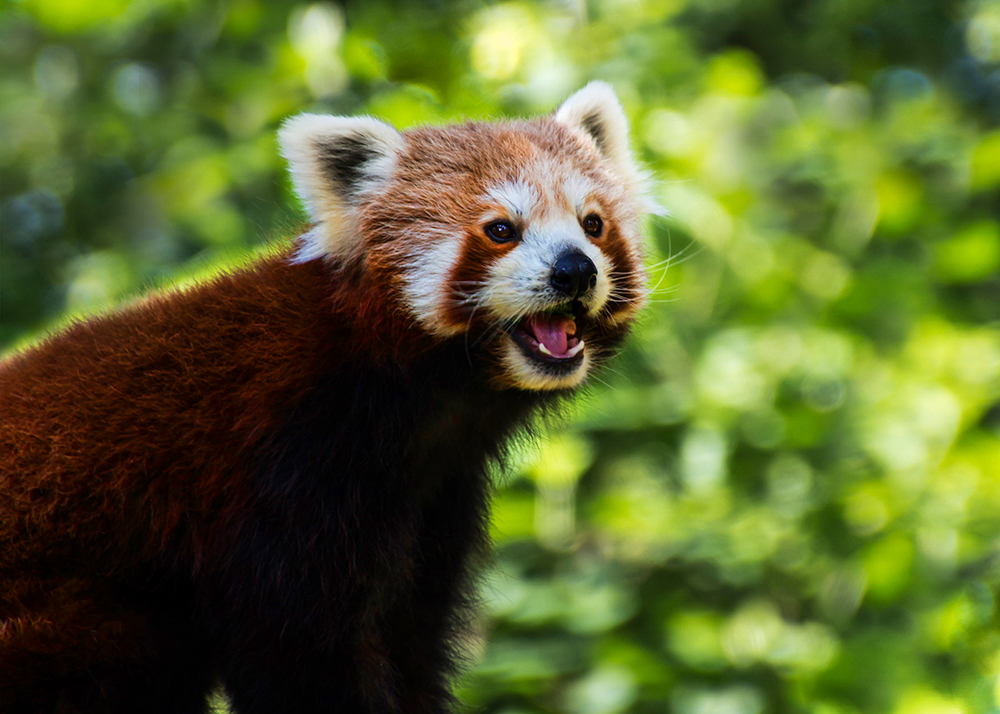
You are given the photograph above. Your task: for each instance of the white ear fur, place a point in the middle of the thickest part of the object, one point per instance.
(595, 112)
(332, 161)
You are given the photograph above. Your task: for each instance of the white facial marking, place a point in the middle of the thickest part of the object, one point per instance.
(428, 287)
(519, 283)
(577, 189)
(518, 197)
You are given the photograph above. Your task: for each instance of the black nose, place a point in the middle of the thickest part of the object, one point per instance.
(574, 274)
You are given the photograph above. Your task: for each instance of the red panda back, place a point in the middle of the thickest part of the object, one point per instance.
(188, 373)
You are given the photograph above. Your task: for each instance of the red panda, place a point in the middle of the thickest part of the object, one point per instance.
(274, 481)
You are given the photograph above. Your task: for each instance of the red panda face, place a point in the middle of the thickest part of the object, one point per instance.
(520, 239)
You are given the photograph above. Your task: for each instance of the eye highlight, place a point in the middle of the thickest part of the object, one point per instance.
(501, 232)
(593, 226)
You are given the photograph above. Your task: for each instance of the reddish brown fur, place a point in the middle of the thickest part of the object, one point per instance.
(278, 477)
(230, 350)
(470, 159)
(225, 372)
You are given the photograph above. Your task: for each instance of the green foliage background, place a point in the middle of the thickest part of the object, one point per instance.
(785, 497)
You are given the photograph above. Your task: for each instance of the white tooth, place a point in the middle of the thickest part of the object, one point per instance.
(544, 350)
(575, 350)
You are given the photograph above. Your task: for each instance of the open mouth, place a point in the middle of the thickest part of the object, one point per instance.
(552, 337)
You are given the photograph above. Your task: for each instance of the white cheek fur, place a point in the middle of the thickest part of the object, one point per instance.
(428, 287)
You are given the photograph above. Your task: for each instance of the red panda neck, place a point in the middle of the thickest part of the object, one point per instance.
(371, 304)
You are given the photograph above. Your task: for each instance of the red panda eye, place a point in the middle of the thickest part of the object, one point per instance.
(593, 225)
(501, 232)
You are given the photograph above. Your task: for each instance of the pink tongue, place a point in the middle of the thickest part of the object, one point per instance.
(552, 331)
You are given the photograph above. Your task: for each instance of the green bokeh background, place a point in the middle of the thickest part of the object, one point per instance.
(785, 496)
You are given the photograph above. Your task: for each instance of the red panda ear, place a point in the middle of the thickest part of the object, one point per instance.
(595, 112)
(333, 161)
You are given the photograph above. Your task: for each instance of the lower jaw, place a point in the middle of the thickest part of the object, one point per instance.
(552, 366)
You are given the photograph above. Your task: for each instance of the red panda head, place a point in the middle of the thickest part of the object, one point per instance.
(522, 239)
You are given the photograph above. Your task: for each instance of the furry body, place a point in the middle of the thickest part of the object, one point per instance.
(268, 506)
(276, 480)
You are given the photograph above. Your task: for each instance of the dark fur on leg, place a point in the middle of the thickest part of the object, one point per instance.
(67, 650)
